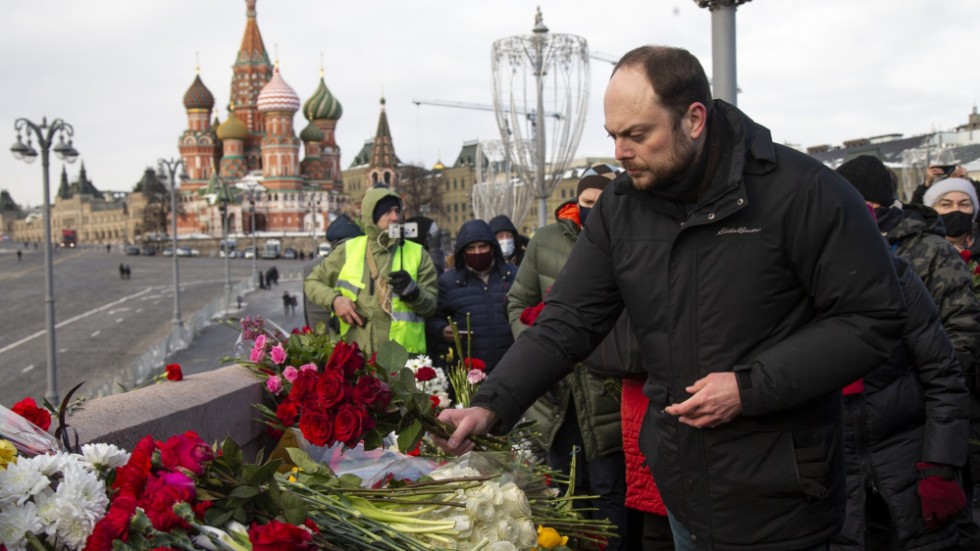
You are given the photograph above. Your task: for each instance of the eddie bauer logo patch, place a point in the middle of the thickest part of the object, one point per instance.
(739, 230)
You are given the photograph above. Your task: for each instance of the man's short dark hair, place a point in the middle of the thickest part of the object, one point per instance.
(676, 75)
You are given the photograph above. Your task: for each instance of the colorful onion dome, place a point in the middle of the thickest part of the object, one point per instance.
(198, 96)
(311, 134)
(276, 95)
(322, 105)
(232, 129)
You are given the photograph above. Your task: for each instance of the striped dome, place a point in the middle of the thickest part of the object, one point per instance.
(198, 96)
(278, 96)
(322, 105)
(311, 134)
(232, 129)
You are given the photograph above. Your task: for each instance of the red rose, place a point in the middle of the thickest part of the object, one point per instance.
(317, 427)
(965, 255)
(367, 389)
(329, 389)
(531, 313)
(200, 508)
(346, 357)
(367, 422)
(384, 397)
(174, 373)
(304, 388)
(287, 412)
(435, 401)
(188, 451)
(27, 408)
(475, 363)
(347, 426)
(425, 374)
(279, 536)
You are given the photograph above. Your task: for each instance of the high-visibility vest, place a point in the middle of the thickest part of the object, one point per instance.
(407, 327)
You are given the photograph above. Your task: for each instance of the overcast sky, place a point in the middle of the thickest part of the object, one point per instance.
(813, 72)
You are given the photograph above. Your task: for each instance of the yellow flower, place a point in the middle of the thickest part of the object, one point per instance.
(549, 538)
(8, 453)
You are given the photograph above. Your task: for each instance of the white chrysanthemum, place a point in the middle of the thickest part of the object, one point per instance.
(20, 481)
(479, 508)
(105, 455)
(515, 501)
(49, 464)
(419, 361)
(529, 536)
(16, 522)
(70, 514)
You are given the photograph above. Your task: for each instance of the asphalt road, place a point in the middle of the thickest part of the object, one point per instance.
(104, 323)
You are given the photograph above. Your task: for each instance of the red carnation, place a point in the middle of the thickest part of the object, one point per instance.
(174, 373)
(966, 255)
(475, 363)
(345, 357)
(425, 374)
(161, 496)
(279, 536)
(287, 412)
(435, 401)
(188, 451)
(27, 408)
(531, 313)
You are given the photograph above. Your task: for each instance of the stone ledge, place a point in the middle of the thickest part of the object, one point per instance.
(216, 404)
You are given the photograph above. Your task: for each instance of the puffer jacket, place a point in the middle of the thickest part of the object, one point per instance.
(463, 293)
(919, 239)
(776, 274)
(913, 408)
(320, 285)
(596, 409)
(641, 492)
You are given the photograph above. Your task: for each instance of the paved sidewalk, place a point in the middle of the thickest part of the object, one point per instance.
(217, 341)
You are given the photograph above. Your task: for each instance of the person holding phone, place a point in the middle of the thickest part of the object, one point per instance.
(936, 173)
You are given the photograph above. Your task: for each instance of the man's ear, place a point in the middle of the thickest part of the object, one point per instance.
(695, 120)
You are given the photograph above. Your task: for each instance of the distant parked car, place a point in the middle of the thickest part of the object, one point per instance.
(132, 250)
(249, 252)
(323, 249)
(290, 253)
(187, 251)
(149, 251)
(170, 252)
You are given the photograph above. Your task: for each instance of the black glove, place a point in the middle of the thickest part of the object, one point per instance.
(403, 285)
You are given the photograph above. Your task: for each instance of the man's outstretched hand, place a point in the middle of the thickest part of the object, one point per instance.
(472, 420)
(714, 400)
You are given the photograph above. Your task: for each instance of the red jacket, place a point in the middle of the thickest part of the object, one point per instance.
(641, 491)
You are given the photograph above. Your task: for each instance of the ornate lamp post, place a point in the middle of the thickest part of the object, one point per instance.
(314, 205)
(171, 167)
(723, 83)
(255, 247)
(224, 199)
(66, 152)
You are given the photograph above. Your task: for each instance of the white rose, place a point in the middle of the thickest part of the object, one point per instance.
(479, 508)
(508, 529)
(515, 501)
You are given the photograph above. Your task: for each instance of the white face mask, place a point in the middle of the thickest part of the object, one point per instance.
(506, 246)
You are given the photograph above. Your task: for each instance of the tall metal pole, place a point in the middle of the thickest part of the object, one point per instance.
(539, 134)
(45, 134)
(224, 230)
(255, 247)
(171, 166)
(724, 83)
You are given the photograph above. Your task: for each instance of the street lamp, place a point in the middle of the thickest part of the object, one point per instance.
(224, 199)
(171, 166)
(314, 205)
(66, 152)
(255, 247)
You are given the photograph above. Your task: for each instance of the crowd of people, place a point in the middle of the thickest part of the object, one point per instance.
(741, 347)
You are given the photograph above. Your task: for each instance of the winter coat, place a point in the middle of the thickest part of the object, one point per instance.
(777, 274)
(502, 222)
(919, 239)
(463, 293)
(641, 492)
(340, 229)
(913, 408)
(320, 285)
(596, 409)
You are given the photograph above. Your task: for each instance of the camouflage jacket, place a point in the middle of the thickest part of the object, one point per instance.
(919, 239)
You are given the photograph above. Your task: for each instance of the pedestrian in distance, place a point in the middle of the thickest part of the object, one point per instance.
(261, 280)
(286, 303)
(758, 287)
(122, 271)
(129, 272)
(18, 255)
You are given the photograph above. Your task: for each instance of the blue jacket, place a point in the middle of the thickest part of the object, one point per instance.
(463, 292)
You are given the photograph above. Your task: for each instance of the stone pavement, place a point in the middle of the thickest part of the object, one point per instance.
(217, 341)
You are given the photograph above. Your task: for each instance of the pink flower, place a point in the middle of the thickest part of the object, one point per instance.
(475, 376)
(257, 355)
(274, 384)
(260, 341)
(290, 373)
(308, 367)
(278, 354)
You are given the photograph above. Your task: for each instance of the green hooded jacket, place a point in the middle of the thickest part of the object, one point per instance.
(320, 285)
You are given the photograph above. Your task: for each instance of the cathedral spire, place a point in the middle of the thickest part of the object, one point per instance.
(383, 162)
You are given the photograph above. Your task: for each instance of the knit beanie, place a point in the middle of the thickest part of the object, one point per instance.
(870, 177)
(938, 189)
(383, 205)
(597, 176)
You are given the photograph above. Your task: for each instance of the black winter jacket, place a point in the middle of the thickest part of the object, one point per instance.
(913, 408)
(778, 274)
(462, 292)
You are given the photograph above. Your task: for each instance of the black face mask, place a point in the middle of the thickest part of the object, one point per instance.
(583, 213)
(479, 261)
(957, 223)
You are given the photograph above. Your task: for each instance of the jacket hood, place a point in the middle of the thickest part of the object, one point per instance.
(917, 219)
(342, 228)
(502, 222)
(371, 198)
(471, 232)
(568, 211)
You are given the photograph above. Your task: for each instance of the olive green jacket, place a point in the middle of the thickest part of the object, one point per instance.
(320, 285)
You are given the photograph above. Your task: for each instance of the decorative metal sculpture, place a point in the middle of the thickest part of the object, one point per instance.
(497, 191)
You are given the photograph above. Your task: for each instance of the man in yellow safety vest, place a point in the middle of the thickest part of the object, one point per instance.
(379, 287)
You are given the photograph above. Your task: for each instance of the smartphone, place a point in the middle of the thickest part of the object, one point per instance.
(947, 169)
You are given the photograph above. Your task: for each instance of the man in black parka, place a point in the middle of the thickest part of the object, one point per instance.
(758, 287)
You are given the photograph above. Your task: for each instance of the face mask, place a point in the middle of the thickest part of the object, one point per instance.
(583, 213)
(957, 223)
(506, 246)
(479, 261)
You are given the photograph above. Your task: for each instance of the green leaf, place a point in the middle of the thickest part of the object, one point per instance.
(392, 356)
(217, 517)
(302, 460)
(244, 492)
(231, 454)
(351, 481)
(258, 475)
(239, 515)
(293, 507)
(372, 440)
(410, 436)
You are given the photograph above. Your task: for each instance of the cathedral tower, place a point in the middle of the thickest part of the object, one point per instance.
(252, 71)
